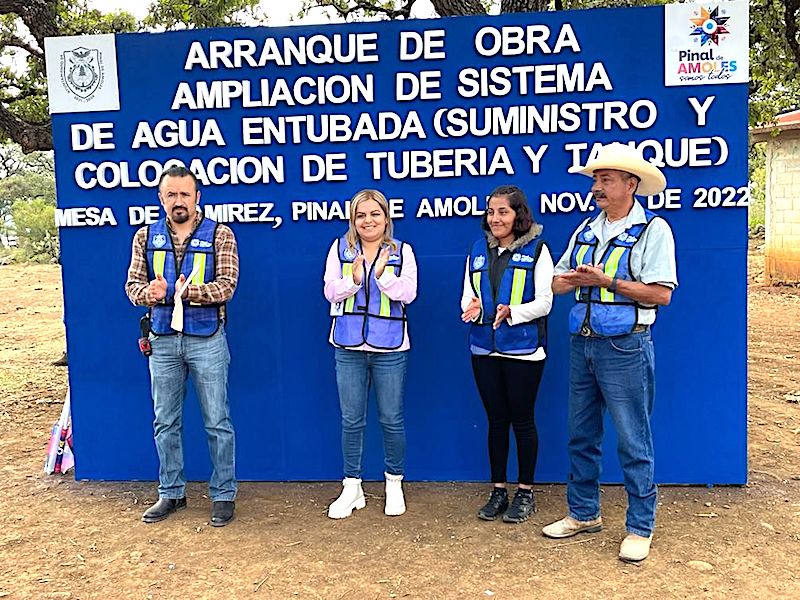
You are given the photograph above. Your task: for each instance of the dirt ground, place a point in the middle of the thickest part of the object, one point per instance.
(65, 539)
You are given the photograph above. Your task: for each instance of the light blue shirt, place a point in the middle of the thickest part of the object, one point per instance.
(652, 257)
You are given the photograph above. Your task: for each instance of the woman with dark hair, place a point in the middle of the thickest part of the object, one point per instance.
(507, 297)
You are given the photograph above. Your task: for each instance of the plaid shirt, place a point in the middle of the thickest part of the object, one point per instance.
(218, 291)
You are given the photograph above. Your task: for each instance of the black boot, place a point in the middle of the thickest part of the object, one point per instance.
(162, 509)
(521, 507)
(497, 504)
(222, 512)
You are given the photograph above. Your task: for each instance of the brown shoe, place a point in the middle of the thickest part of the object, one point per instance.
(61, 362)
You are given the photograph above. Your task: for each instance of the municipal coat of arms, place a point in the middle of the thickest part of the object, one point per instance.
(81, 71)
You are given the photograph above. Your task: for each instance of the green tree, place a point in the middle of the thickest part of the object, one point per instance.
(774, 59)
(24, 117)
(758, 182)
(32, 198)
(401, 9)
(198, 14)
(14, 163)
(36, 230)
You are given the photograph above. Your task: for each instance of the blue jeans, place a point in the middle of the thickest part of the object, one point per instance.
(616, 374)
(386, 371)
(206, 359)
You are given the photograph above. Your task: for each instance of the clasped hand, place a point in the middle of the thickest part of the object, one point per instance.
(587, 276)
(158, 287)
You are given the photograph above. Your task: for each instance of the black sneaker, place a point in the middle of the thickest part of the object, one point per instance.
(497, 504)
(521, 507)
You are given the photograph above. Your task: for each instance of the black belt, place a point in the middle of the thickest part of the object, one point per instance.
(586, 331)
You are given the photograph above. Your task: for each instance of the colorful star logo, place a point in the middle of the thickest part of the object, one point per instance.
(709, 26)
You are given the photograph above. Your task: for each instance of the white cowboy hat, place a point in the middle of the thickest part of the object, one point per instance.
(621, 157)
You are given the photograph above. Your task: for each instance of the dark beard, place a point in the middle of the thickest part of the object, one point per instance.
(180, 217)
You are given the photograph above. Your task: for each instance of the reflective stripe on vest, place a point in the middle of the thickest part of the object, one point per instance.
(159, 256)
(610, 268)
(579, 259)
(385, 300)
(200, 276)
(347, 271)
(476, 287)
(517, 286)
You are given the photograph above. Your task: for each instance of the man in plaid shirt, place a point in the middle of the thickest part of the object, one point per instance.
(186, 265)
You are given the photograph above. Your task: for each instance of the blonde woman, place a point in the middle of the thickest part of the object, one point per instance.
(370, 277)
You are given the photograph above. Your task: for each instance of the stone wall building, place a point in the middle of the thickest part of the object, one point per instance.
(782, 210)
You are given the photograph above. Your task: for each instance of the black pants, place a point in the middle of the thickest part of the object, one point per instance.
(508, 388)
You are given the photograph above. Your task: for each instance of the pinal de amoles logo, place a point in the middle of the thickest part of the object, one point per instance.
(710, 25)
(82, 72)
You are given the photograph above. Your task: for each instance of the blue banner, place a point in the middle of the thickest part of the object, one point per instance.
(283, 125)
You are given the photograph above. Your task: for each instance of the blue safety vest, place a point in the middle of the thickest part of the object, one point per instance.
(370, 316)
(516, 287)
(597, 310)
(200, 320)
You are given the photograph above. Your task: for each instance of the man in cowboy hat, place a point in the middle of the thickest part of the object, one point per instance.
(620, 265)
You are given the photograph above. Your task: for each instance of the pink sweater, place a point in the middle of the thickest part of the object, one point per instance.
(400, 289)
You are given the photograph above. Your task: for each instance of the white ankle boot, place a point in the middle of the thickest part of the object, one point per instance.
(352, 497)
(395, 502)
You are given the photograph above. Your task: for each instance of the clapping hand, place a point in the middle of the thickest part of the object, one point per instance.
(358, 269)
(503, 312)
(586, 276)
(380, 263)
(472, 311)
(179, 283)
